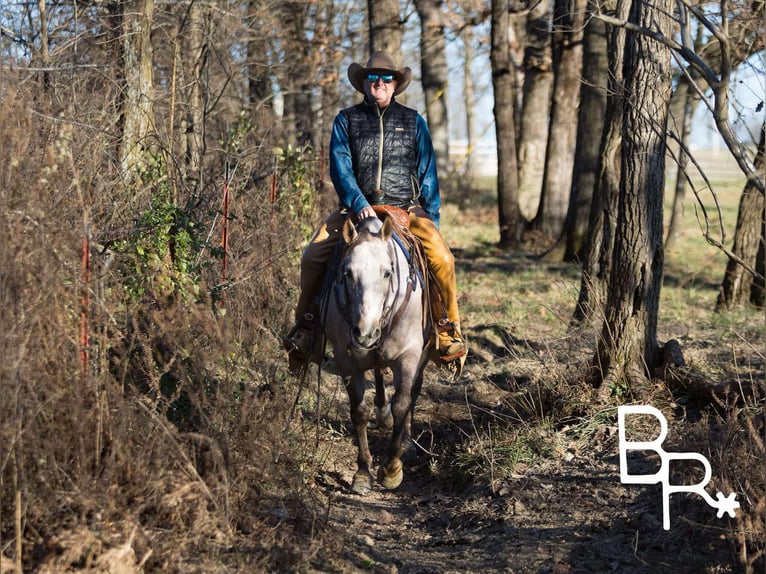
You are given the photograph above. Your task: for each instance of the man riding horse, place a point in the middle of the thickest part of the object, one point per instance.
(380, 154)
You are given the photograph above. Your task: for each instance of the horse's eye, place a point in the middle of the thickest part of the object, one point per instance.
(386, 274)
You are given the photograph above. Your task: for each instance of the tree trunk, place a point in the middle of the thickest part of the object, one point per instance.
(568, 21)
(590, 128)
(469, 98)
(738, 286)
(536, 106)
(691, 99)
(45, 59)
(331, 57)
(509, 215)
(386, 27)
(628, 349)
(137, 108)
(599, 246)
(682, 106)
(195, 57)
(298, 80)
(434, 73)
(260, 96)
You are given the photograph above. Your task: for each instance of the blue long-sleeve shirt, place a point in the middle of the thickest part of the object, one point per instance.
(344, 180)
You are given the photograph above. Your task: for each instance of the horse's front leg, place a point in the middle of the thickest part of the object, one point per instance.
(360, 415)
(391, 473)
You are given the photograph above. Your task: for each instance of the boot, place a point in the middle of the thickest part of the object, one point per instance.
(451, 344)
(303, 344)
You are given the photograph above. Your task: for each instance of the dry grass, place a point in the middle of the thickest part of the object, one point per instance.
(168, 444)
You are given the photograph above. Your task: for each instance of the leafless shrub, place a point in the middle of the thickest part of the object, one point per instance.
(146, 428)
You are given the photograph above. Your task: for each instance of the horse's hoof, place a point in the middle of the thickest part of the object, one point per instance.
(362, 483)
(390, 478)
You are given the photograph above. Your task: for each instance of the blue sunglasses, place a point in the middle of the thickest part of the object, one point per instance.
(387, 78)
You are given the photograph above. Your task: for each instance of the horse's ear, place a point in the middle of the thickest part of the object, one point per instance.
(387, 229)
(349, 231)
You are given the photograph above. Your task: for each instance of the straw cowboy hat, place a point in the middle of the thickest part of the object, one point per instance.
(380, 62)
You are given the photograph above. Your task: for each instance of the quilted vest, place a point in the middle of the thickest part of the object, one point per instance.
(387, 175)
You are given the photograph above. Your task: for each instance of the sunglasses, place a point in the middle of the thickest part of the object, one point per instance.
(387, 78)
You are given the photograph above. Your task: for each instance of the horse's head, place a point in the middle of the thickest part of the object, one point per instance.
(367, 276)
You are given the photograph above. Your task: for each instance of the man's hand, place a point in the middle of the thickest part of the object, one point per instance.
(365, 213)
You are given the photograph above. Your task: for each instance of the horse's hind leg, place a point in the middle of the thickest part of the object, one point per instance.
(383, 415)
(362, 482)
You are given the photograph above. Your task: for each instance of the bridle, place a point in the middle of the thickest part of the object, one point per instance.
(388, 318)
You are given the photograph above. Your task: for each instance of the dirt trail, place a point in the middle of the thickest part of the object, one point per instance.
(564, 511)
(563, 515)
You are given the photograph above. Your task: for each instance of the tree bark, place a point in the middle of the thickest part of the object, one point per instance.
(628, 350)
(386, 27)
(195, 52)
(298, 80)
(691, 99)
(259, 90)
(509, 215)
(45, 59)
(536, 106)
(568, 21)
(740, 284)
(590, 127)
(599, 246)
(137, 103)
(434, 73)
(469, 98)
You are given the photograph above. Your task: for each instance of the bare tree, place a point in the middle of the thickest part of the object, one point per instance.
(628, 349)
(597, 261)
(747, 28)
(590, 126)
(195, 51)
(296, 78)
(568, 22)
(509, 215)
(469, 97)
(137, 104)
(386, 27)
(742, 282)
(536, 102)
(723, 53)
(259, 79)
(743, 36)
(434, 72)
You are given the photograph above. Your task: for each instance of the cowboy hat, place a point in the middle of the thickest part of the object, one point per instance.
(380, 62)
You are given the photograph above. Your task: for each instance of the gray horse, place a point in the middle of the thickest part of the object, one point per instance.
(374, 318)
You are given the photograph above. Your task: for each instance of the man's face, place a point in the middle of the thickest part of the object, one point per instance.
(380, 88)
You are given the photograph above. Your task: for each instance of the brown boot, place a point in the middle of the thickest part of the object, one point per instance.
(451, 344)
